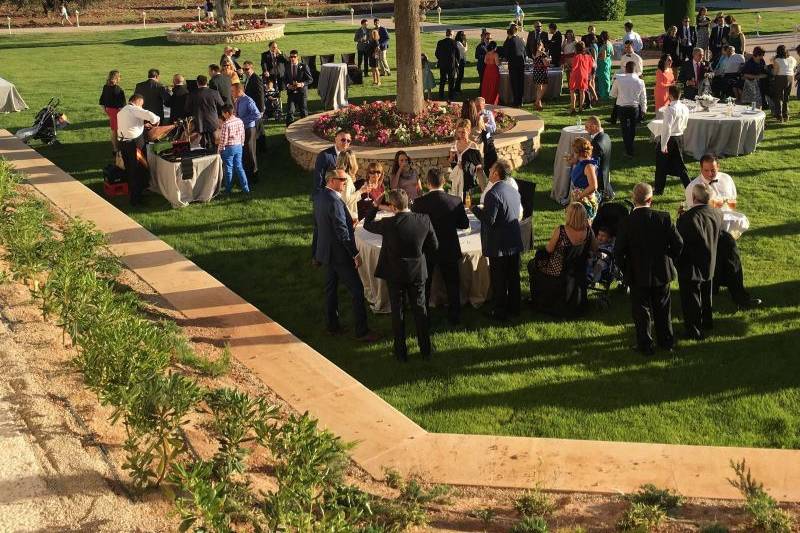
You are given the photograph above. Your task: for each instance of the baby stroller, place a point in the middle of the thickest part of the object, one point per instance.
(602, 270)
(273, 106)
(46, 125)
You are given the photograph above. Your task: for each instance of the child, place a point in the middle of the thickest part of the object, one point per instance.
(231, 141)
(273, 101)
(428, 82)
(601, 262)
(65, 14)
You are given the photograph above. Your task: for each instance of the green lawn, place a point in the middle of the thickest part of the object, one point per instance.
(536, 377)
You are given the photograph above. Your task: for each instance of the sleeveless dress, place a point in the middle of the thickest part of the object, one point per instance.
(603, 74)
(579, 182)
(539, 70)
(579, 75)
(663, 81)
(558, 280)
(457, 173)
(703, 34)
(490, 87)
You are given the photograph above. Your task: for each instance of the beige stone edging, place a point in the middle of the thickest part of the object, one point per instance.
(519, 145)
(308, 381)
(275, 31)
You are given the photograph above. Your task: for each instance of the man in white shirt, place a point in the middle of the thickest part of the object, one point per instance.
(633, 37)
(629, 55)
(631, 96)
(669, 156)
(131, 123)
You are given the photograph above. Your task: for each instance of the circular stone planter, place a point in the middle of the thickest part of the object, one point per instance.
(221, 37)
(519, 145)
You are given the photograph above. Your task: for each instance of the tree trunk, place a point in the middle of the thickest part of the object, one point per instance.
(223, 9)
(408, 55)
(675, 10)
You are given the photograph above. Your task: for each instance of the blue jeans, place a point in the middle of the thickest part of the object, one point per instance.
(232, 161)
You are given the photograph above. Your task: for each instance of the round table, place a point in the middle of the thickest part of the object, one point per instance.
(555, 81)
(332, 85)
(713, 131)
(10, 100)
(560, 191)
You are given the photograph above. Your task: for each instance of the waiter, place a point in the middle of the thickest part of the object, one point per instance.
(132, 120)
(669, 156)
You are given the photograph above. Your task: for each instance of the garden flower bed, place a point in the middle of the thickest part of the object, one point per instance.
(213, 27)
(238, 31)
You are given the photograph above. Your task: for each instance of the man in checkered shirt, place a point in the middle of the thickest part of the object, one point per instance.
(231, 141)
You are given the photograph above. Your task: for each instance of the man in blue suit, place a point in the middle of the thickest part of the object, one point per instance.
(326, 160)
(501, 240)
(334, 245)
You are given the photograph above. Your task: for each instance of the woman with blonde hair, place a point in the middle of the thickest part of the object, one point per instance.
(346, 161)
(227, 69)
(374, 56)
(583, 176)
(374, 186)
(736, 38)
(112, 100)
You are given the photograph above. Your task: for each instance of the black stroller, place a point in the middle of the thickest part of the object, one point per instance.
(602, 271)
(46, 125)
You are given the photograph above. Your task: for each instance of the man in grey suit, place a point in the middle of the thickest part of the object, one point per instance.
(601, 150)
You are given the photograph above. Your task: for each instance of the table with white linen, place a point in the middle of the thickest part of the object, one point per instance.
(166, 178)
(473, 267)
(561, 169)
(10, 99)
(713, 131)
(332, 85)
(555, 81)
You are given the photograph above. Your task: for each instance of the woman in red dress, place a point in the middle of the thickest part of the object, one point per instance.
(490, 88)
(582, 65)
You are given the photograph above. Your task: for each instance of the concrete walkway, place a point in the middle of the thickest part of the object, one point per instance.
(387, 438)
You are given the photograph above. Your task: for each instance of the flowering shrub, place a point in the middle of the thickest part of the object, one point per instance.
(653, 43)
(380, 123)
(211, 26)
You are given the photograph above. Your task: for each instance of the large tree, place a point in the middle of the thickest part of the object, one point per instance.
(408, 53)
(223, 12)
(676, 10)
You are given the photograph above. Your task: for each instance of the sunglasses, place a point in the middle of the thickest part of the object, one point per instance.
(348, 141)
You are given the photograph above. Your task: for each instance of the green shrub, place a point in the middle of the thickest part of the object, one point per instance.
(641, 517)
(763, 509)
(596, 9)
(665, 499)
(534, 503)
(675, 10)
(530, 524)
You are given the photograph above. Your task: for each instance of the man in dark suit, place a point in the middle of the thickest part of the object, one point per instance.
(408, 239)
(687, 37)
(326, 159)
(647, 244)
(205, 106)
(534, 38)
(177, 101)
(447, 215)
(601, 150)
(273, 65)
(254, 88)
(514, 52)
(480, 54)
(220, 83)
(719, 33)
(447, 57)
(297, 79)
(692, 73)
(334, 245)
(699, 227)
(501, 240)
(156, 96)
(590, 38)
(554, 45)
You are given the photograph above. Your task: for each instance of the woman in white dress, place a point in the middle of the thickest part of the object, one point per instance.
(347, 161)
(460, 146)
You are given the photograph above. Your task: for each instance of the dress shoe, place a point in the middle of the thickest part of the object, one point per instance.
(644, 350)
(368, 337)
(693, 336)
(750, 303)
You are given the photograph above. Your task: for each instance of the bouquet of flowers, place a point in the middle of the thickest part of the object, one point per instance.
(706, 101)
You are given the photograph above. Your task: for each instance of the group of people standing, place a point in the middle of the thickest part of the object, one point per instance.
(372, 46)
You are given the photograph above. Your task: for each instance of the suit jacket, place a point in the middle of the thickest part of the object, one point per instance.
(699, 227)
(447, 216)
(156, 96)
(554, 45)
(533, 40)
(690, 35)
(222, 84)
(334, 240)
(274, 68)
(514, 50)
(687, 72)
(204, 105)
(500, 233)
(718, 35)
(254, 88)
(326, 160)
(671, 45)
(589, 39)
(407, 238)
(480, 55)
(177, 103)
(601, 150)
(447, 54)
(302, 74)
(647, 245)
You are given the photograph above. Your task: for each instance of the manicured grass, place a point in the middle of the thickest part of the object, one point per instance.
(535, 377)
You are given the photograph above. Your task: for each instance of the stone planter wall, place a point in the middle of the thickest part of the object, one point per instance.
(223, 37)
(519, 145)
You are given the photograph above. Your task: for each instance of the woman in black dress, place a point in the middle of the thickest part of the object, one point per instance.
(112, 100)
(671, 46)
(374, 55)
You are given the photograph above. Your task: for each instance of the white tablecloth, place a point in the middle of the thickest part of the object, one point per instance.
(555, 81)
(560, 191)
(474, 267)
(332, 85)
(715, 132)
(166, 178)
(10, 100)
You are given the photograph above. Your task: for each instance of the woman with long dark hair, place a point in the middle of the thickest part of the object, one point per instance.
(404, 176)
(461, 46)
(664, 78)
(490, 86)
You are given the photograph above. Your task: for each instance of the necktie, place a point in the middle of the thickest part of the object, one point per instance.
(294, 73)
(697, 71)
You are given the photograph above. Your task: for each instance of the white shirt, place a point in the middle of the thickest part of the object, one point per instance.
(635, 39)
(627, 58)
(130, 121)
(785, 67)
(462, 50)
(629, 91)
(510, 181)
(723, 188)
(675, 116)
(733, 64)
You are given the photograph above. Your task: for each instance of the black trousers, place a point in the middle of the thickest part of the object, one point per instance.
(516, 75)
(208, 141)
(363, 61)
(296, 100)
(728, 271)
(261, 139)
(504, 276)
(781, 90)
(481, 68)
(348, 275)
(697, 304)
(452, 283)
(249, 159)
(628, 116)
(414, 294)
(459, 76)
(652, 305)
(670, 164)
(686, 52)
(137, 174)
(446, 76)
